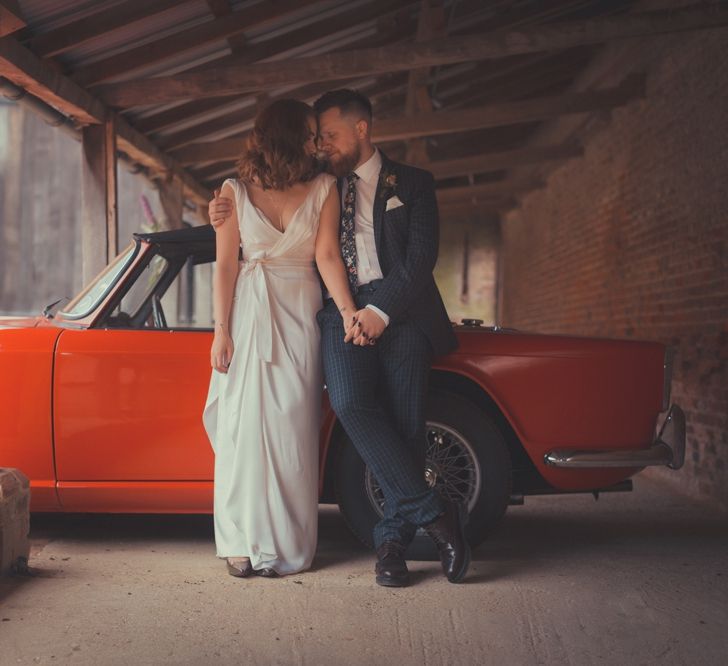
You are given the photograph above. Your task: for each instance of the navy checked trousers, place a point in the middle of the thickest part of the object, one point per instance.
(378, 394)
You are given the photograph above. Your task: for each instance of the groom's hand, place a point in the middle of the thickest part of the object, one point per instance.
(219, 209)
(367, 328)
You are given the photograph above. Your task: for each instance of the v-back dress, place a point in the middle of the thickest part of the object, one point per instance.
(263, 416)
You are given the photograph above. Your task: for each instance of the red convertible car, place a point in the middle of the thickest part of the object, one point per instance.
(102, 402)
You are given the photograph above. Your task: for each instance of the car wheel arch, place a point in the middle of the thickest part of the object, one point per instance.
(467, 388)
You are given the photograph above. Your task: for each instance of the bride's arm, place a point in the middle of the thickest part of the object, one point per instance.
(328, 258)
(227, 247)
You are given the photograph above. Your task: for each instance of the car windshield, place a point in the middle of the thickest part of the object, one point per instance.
(94, 292)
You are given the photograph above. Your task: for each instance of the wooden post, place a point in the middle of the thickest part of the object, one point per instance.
(99, 197)
(172, 200)
(431, 24)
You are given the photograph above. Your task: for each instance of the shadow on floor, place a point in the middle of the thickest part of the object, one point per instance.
(543, 535)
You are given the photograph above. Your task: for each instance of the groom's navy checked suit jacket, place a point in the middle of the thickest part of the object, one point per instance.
(407, 241)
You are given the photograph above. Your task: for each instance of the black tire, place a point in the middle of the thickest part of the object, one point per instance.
(475, 433)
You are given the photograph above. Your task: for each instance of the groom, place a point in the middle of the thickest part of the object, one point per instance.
(377, 374)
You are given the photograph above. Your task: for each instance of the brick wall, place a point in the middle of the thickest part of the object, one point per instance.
(632, 239)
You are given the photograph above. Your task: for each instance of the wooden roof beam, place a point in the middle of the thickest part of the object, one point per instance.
(502, 160)
(29, 72)
(447, 122)
(233, 80)
(11, 18)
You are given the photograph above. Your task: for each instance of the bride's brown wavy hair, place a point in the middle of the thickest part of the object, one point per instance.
(274, 156)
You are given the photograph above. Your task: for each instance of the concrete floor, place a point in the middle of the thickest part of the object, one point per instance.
(635, 578)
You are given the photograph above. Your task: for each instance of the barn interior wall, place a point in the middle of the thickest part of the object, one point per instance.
(631, 241)
(40, 204)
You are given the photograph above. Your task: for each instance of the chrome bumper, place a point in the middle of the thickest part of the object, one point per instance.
(667, 449)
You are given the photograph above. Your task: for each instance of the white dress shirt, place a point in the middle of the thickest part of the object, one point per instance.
(367, 262)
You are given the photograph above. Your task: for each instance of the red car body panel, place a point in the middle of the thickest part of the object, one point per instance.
(567, 392)
(26, 430)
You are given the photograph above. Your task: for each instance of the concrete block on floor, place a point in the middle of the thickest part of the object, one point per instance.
(14, 521)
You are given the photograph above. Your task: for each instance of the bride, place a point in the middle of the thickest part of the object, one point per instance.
(263, 405)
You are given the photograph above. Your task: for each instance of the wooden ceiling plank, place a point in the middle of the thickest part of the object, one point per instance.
(404, 57)
(186, 40)
(79, 32)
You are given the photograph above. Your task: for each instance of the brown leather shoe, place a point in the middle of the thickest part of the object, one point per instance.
(448, 533)
(391, 568)
(239, 570)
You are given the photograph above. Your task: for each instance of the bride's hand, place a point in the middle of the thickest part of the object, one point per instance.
(222, 352)
(347, 318)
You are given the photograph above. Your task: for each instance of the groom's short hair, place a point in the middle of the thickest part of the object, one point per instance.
(348, 101)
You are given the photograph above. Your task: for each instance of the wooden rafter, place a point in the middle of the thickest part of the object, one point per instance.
(237, 43)
(187, 40)
(26, 70)
(390, 22)
(261, 76)
(11, 18)
(509, 113)
(79, 32)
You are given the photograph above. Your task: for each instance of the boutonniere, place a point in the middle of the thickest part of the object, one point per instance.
(388, 183)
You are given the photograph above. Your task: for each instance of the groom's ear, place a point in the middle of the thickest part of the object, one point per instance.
(362, 128)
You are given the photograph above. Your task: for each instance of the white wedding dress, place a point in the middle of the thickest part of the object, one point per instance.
(263, 417)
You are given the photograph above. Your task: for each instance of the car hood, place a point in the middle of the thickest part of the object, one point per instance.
(20, 322)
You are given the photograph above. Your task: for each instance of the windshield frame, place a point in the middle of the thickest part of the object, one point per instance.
(121, 264)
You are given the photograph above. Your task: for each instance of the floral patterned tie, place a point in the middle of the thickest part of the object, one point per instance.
(348, 242)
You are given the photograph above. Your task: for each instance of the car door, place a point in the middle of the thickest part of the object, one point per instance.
(128, 406)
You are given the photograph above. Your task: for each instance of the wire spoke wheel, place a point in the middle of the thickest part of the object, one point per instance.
(451, 467)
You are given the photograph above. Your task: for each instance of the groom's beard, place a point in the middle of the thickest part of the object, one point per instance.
(345, 164)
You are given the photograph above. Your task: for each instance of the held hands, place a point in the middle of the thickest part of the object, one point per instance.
(219, 209)
(365, 327)
(222, 351)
